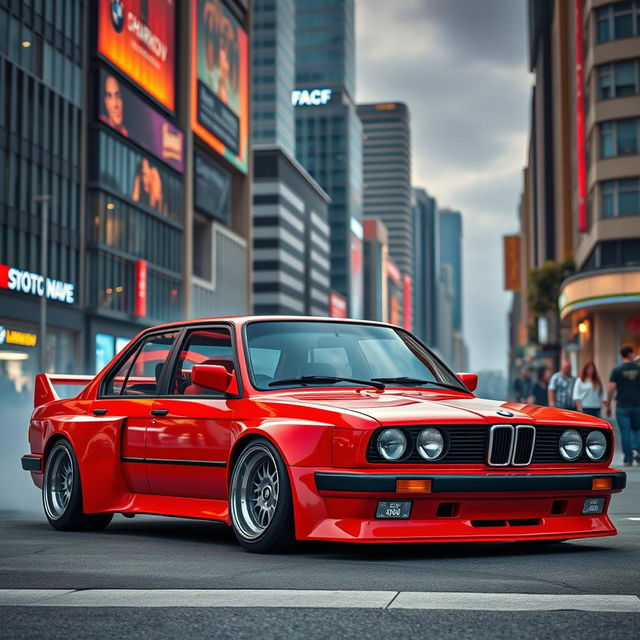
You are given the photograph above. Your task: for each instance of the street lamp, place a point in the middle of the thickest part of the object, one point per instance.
(44, 200)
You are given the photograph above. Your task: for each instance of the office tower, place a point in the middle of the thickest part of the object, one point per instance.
(387, 176)
(290, 228)
(328, 132)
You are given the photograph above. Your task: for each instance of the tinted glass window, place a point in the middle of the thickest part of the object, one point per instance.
(204, 346)
(140, 373)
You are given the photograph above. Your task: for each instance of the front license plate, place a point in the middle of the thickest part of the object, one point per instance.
(593, 505)
(393, 510)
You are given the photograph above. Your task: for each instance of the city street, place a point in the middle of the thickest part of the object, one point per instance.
(170, 554)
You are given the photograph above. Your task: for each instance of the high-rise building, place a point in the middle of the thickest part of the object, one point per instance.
(450, 253)
(329, 134)
(273, 66)
(137, 149)
(585, 133)
(387, 176)
(425, 269)
(290, 227)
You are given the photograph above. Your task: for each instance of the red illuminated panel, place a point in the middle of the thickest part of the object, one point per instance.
(141, 289)
(580, 152)
(138, 37)
(406, 302)
(337, 305)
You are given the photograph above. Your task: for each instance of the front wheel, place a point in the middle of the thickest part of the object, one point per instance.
(62, 493)
(260, 499)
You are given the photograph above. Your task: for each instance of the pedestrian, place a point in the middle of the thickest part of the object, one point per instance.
(624, 383)
(588, 392)
(540, 391)
(523, 386)
(561, 387)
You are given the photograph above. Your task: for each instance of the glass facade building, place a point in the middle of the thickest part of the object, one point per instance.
(450, 232)
(329, 133)
(147, 221)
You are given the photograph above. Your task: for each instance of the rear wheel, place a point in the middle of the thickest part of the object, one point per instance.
(260, 499)
(62, 493)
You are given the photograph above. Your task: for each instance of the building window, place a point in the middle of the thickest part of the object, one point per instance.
(620, 197)
(619, 137)
(617, 21)
(619, 79)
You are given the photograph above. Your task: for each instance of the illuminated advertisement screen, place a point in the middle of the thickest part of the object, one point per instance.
(220, 90)
(123, 111)
(212, 188)
(138, 37)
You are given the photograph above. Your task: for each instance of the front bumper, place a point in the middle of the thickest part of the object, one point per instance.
(340, 505)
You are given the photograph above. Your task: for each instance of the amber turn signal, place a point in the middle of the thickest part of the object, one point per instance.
(413, 486)
(601, 484)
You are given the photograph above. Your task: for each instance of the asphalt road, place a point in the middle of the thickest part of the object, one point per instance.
(165, 553)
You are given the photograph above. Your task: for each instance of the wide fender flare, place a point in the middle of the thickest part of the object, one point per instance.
(96, 444)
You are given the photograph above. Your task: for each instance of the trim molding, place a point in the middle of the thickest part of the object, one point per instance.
(187, 463)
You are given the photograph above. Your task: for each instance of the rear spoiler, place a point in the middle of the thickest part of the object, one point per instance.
(45, 391)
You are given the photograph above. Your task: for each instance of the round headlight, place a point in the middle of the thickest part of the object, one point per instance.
(392, 444)
(596, 445)
(430, 444)
(570, 444)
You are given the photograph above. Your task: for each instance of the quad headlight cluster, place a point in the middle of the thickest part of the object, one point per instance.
(392, 444)
(571, 445)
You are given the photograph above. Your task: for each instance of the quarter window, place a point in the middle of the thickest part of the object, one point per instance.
(140, 373)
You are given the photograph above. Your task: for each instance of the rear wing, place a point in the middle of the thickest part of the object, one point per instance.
(45, 390)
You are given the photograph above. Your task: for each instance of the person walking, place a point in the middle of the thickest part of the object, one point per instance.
(624, 383)
(588, 392)
(540, 388)
(561, 387)
(523, 386)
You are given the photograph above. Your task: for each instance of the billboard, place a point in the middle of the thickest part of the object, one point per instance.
(123, 111)
(212, 188)
(138, 37)
(512, 263)
(219, 84)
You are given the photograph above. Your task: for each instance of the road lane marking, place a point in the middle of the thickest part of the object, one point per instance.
(322, 599)
(516, 602)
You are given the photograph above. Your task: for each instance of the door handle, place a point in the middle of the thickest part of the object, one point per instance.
(99, 412)
(159, 412)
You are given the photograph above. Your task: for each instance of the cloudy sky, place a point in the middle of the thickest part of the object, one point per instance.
(461, 67)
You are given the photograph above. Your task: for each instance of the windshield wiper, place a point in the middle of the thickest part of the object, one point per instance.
(414, 382)
(305, 380)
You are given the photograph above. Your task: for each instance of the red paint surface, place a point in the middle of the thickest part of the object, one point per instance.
(141, 289)
(581, 160)
(320, 429)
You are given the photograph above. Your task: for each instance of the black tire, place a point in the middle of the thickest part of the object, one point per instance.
(62, 493)
(254, 528)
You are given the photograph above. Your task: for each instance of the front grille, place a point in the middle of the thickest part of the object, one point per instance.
(469, 444)
(500, 445)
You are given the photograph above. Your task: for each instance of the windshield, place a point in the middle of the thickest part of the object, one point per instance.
(290, 350)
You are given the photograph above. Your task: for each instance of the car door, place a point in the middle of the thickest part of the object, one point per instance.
(127, 395)
(188, 437)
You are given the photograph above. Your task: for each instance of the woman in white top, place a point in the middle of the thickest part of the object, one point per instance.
(588, 392)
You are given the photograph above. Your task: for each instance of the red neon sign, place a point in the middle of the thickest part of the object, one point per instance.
(141, 289)
(580, 151)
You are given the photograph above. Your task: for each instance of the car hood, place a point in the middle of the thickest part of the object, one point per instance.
(418, 406)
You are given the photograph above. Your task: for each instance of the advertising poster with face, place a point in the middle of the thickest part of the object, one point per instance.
(122, 110)
(220, 81)
(138, 37)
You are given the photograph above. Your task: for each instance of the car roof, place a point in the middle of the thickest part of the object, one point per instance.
(242, 320)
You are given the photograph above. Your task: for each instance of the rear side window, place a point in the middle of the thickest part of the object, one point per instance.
(140, 373)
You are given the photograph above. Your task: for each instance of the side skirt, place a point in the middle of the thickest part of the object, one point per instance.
(199, 508)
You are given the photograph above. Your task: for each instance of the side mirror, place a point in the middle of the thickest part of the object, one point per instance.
(211, 376)
(469, 380)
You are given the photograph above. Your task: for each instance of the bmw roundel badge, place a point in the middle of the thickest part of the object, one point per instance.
(504, 413)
